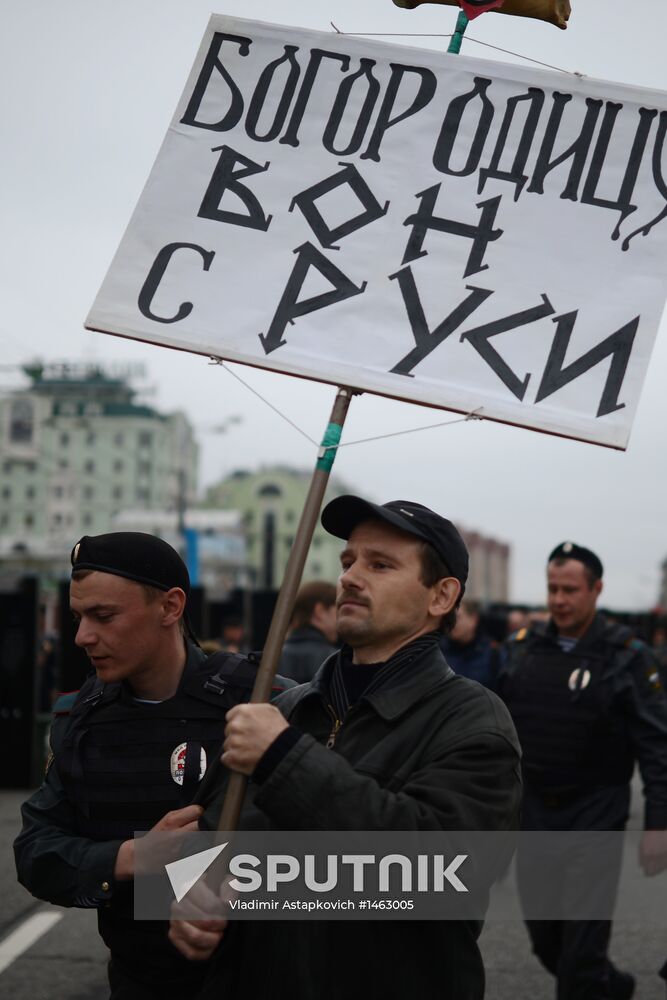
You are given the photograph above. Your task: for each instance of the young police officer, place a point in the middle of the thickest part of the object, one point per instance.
(587, 703)
(130, 753)
(385, 737)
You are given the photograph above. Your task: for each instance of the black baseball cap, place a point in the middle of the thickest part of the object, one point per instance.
(342, 515)
(570, 550)
(134, 555)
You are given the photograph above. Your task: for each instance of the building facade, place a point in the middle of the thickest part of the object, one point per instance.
(76, 448)
(488, 579)
(270, 502)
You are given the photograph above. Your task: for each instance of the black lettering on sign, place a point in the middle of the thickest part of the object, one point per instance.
(227, 176)
(516, 174)
(364, 73)
(577, 152)
(481, 235)
(289, 307)
(427, 85)
(349, 175)
(262, 90)
(623, 203)
(449, 132)
(291, 136)
(155, 275)
(212, 62)
(427, 340)
(480, 336)
(618, 346)
(659, 182)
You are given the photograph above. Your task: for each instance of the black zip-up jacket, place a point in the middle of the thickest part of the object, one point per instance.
(433, 751)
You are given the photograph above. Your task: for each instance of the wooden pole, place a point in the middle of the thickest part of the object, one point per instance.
(231, 807)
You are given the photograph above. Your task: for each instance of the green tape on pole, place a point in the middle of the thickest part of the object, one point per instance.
(461, 25)
(330, 442)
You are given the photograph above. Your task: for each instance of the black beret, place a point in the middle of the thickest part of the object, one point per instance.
(134, 555)
(342, 515)
(570, 550)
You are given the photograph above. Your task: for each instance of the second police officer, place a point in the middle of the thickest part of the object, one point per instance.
(587, 702)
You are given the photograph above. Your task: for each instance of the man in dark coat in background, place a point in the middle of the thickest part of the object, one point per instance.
(312, 635)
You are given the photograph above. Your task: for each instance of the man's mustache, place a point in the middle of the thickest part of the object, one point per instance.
(350, 596)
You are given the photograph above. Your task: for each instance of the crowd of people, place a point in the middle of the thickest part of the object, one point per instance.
(394, 709)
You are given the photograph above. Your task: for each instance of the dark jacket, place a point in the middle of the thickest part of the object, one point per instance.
(432, 752)
(584, 718)
(477, 660)
(58, 860)
(303, 654)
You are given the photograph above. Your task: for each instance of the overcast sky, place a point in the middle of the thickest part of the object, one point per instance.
(88, 92)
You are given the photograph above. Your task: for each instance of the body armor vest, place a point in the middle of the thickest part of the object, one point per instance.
(561, 706)
(124, 763)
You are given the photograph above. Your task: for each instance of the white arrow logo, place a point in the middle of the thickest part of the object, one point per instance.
(184, 873)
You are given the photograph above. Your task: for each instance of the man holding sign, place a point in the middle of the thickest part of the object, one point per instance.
(385, 737)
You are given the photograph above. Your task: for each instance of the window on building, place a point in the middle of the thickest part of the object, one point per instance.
(88, 492)
(6, 492)
(143, 494)
(30, 492)
(57, 520)
(87, 520)
(58, 492)
(4, 520)
(289, 516)
(7, 466)
(29, 520)
(63, 463)
(21, 421)
(144, 468)
(90, 437)
(118, 492)
(118, 465)
(316, 568)
(269, 490)
(119, 439)
(89, 466)
(30, 466)
(145, 439)
(64, 439)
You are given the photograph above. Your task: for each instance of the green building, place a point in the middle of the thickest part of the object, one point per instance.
(270, 502)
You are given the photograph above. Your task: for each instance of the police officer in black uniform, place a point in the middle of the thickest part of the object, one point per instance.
(128, 751)
(587, 702)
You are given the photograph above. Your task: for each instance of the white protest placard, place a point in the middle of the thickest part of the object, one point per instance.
(451, 231)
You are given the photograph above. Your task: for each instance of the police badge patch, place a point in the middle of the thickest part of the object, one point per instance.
(178, 763)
